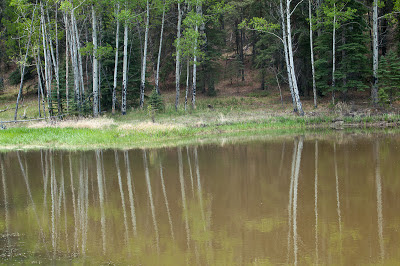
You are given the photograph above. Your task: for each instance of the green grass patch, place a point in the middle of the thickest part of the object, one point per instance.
(258, 94)
(113, 137)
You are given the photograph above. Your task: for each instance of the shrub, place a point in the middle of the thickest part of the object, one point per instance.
(15, 76)
(1, 84)
(156, 102)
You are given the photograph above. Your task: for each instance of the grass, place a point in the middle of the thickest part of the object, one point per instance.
(149, 136)
(22, 137)
(216, 119)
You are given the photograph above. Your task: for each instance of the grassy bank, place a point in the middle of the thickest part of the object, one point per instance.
(108, 133)
(217, 119)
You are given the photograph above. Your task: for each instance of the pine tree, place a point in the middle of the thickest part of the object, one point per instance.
(389, 78)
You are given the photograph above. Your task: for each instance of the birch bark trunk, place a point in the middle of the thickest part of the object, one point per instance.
(95, 66)
(333, 53)
(159, 52)
(114, 92)
(39, 83)
(75, 63)
(187, 82)
(194, 82)
(125, 70)
(177, 58)
(46, 60)
(144, 58)
(285, 47)
(79, 56)
(70, 34)
(57, 63)
(40, 74)
(312, 54)
(290, 51)
(54, 57)
(375, 47)
(66, 68)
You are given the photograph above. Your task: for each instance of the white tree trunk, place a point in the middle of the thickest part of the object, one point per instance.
(78, 48)
(194, 82)
(95, 66)
(159, 52)
(114, 92)
(66, 67)
(70, 34)
(75, 63)
(58, 67)
(99, 71)
(144, 59)
(54, 58)
(375, 47)
(312, 54)
(187, 82)
(333, 53)
(40, 88)
(46, 60)
(125, 70)
(290, 51)
(285, 47)
(177, 57)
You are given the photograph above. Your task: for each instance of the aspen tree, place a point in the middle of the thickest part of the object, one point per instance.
(159, 50)
(95, 66)
(178, 56)
(114, 92)
(144, 57)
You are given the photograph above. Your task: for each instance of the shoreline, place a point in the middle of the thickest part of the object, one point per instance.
(107, 133)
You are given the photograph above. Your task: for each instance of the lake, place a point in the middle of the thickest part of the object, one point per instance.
(331, 199)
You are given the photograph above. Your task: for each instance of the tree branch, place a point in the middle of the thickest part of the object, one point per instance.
(295, 7)
(384, 16)
(271, 33)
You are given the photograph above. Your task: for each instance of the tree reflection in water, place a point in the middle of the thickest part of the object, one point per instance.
(77, 207)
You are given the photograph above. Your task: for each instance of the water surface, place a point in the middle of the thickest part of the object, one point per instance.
(333, 200)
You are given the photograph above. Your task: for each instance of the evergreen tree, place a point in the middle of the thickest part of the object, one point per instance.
(341, 63)
(389, 78)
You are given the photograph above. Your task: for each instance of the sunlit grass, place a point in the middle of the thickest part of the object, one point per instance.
(215, 118)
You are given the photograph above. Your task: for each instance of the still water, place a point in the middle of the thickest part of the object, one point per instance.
(299, 200)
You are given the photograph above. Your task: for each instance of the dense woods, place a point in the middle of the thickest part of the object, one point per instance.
(87, 57)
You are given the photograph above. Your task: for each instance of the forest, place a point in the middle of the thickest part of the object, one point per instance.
(88, 57)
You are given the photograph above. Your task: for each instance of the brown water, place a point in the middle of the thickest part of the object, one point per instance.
(296, 201)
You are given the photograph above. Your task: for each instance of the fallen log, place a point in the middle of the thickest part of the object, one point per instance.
(8, 108)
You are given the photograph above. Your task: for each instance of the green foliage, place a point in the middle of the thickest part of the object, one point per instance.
(212, 48)
(352, 65)
(389, 78)
(268, 51)
(106, 53)
(156, 102)
(103, 51)
(1, 84)
(211, 89)
(259, 94)
(340, 10)
(258, 24)
(15, 76)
